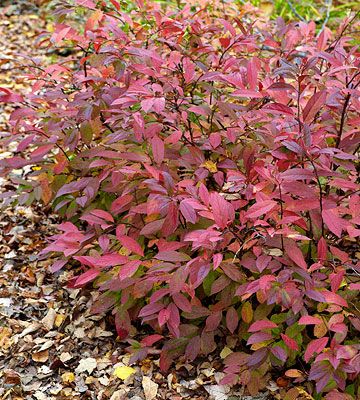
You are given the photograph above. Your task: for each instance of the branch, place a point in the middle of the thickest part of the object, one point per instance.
(342, 120)
(295, 12)
(336, 41)
(329, 5)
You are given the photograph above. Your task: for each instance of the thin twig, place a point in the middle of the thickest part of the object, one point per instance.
(295, 12)
(321, 194)
(328, 8)
(342, 121)
(336, 41)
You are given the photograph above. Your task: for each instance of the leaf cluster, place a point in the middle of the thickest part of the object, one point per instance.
(205, 164)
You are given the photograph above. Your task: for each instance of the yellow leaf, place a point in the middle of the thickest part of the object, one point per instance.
(210, 166)
(68, 377)
(293, 373)
(46, 192)
(59, 319)
(320, 330)
(305, 394)
(267, 7)
(5, 338)
(124, 372)
(257, 346)
(275, 252)
(225, 352)
(247, 312)
(124, 252)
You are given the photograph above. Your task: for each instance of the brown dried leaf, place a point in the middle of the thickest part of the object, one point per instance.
(40, 356)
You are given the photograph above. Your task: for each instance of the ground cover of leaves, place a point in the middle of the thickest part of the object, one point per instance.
(51, 347)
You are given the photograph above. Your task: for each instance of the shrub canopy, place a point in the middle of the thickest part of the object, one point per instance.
(204, 163)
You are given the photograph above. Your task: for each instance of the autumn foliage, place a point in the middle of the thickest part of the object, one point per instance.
(204, 163)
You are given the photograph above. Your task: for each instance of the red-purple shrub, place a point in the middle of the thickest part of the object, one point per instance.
(205, 164)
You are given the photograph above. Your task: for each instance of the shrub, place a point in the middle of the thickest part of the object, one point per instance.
(204, 163)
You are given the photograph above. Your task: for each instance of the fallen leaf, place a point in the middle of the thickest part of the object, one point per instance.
(68, 377)
(30, 329)
(218, 392)
(104, 380)
(40, 356)
(40, 395)
(65, 357)
(46, 345)
(49, 319)
(11, 377)
(150, 388)
(5, 338)
(124, 372)
(86, 365)
(59, 319)
(118, 395)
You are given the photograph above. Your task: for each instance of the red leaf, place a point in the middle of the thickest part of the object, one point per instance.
(333, 298)
(107, 260)
(335, 279)
(252, 74)
(279, 353)
(277, 108)
(178, 280)
(333, 222)
(10, 97)
(146, 104)
(217, 259)
(223, 211)
(150, 340)
(280, 86)
(260, 208)
(336, 395)
(295, 254)
(290, 343)
(213, 321)
(188, 211)
(259, 337)
(258, 357)
(86, 277)
(296, 174)
(103, 214)
(182, 302)
(158, 149)
(315, 346)
(172, 256)
(316, 102)
(163, 316)
(322, 249)
(150, 309)
(171, 221)
(121, 204)
(232, 319)
(261, 325)
(159, 104)
(309, 320)
(174, 320)
(129, 269)
(193, 348)
(130, 244)
(189, 69)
